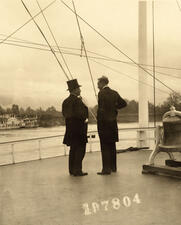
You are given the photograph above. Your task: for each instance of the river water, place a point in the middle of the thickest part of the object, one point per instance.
(51, 147)
(20, 134)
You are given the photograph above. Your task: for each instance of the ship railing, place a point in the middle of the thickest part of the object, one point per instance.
(52, 146)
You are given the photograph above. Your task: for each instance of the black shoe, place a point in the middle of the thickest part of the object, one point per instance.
(80, 174)
(114, 170)
(103, 173)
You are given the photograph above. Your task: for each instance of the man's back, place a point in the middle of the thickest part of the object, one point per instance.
(73, 107)
(75, 113)
(109, 101)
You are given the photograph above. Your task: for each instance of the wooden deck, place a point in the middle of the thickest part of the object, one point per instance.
(42, 193)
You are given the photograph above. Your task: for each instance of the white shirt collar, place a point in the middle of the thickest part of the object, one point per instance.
(105, 86)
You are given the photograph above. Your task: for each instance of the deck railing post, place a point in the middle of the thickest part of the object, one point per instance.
(39, 148)
(90, 149)
(142, 139)
(12, 152)
(65, 151)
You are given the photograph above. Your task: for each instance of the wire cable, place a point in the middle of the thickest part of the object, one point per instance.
(83, 46)
(90, 58)
(103, 57)
(71, 53)
(26, 23)
(178, 5)
(121, 73)
(11, 42)
(45, 39)
(153, 37)
(53, 36)
(113, 45)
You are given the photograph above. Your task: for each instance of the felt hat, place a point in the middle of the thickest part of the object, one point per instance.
(73, 84)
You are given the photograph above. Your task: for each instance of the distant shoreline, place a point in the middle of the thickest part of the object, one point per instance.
(122, 118)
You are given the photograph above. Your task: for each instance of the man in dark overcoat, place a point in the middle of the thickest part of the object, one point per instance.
(76, 117)
(109, 101)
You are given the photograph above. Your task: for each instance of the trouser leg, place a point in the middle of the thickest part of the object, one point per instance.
(106, 157)
(71, 159)
(79, 155)
(113, 156)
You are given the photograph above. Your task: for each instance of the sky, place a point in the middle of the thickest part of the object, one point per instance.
(32, 77)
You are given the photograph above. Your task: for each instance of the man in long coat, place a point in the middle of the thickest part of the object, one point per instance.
(109, 101)
(76, 117)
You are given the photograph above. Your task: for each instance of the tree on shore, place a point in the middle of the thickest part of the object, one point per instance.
(52, 117)
(173, 99)
(2, 110)
(15, 110)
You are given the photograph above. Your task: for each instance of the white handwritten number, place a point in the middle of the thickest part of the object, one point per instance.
(87, 211)
(116, 203)
(126, 201)
(105, 204)
(136, 199)
(95, 207)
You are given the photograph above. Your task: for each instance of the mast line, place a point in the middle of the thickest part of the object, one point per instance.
(45, 39)
(105, 57)
(54, 38)
(117, 48)
(5, 39)
(83, 45)
(153, 30)
(90, 58)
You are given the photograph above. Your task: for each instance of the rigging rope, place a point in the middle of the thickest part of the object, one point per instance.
(26, 23)
(70, 53)
(8, 42)
(116, 47)
(90, 58)
(166, 74)
(83, 45)
(153, 35)
(45, 39)
(121, 73)
(178, 5)
(83, 48)
(54, 38)
(107, 58)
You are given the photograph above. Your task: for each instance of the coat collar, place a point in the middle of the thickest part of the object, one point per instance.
(72, 95)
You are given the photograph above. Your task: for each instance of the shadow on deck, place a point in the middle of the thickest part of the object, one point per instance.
(42, 193)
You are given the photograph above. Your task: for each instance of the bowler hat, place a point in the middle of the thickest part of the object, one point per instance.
(73, 84)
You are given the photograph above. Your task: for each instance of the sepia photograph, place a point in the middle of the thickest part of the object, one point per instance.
(90, 112)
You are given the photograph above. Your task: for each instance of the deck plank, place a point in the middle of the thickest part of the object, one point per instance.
(42, 193)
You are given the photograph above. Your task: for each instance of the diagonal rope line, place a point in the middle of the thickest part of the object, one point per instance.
(121, 73)
(178, 5)
(116, 47)
(11, 42)
(26, 23)
(25, 46)
(105, 57)
(153, 47)
(91, 58)
(54, 38)
(83, 45)
(45, 39)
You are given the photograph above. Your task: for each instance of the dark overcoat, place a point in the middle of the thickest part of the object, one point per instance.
(75, 113)
(109, 101)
